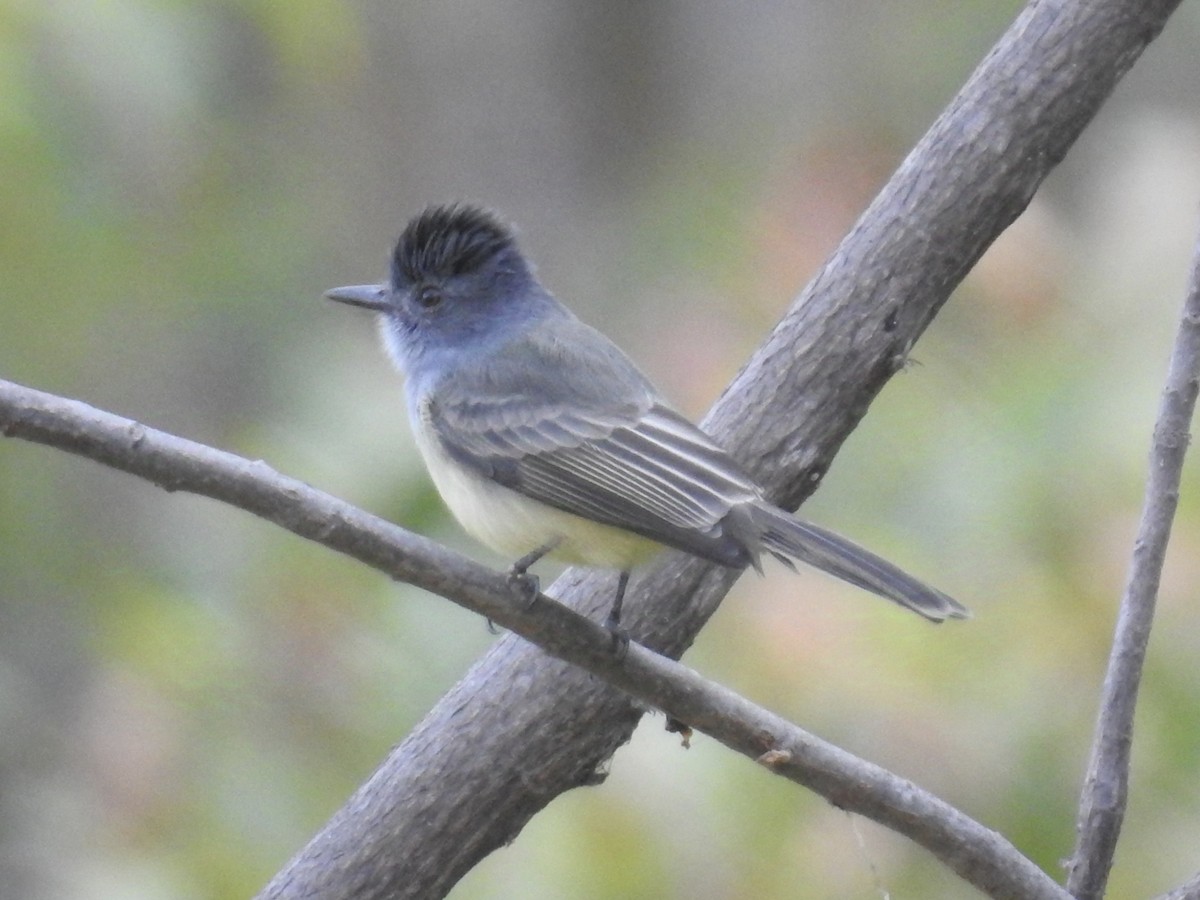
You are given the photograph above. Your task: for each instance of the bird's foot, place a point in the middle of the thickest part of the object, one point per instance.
(526, 584)
(620, 637)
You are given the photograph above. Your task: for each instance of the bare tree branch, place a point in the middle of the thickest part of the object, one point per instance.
(1106, 788)
(979, 855)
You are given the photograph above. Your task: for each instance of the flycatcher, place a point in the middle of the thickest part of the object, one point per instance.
(544, 438)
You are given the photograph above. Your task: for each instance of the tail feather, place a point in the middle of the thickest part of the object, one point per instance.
(783, 535)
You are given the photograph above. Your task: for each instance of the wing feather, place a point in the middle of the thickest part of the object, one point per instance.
(631, 461)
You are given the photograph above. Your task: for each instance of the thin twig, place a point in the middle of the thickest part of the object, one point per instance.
(1102, 804)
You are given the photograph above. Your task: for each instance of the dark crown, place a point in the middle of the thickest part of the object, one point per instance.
(444, 241)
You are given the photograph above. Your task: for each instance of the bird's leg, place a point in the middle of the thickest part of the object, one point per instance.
(520, 578)
(614, 614)
(613, 623)
(518, 572)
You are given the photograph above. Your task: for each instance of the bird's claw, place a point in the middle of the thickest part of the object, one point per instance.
(620, 637)
(525, 583)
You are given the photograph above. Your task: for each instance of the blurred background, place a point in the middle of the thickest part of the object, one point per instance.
(186, 693)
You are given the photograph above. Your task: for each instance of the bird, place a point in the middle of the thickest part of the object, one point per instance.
(544, 438)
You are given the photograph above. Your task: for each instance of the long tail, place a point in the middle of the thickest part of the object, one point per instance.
(787, 538)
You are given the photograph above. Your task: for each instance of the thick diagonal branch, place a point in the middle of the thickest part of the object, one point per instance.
(519, 729)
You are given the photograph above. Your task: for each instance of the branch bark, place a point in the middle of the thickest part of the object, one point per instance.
(1106, 787)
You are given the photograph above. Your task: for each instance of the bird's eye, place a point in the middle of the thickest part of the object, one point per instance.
(429, 297)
